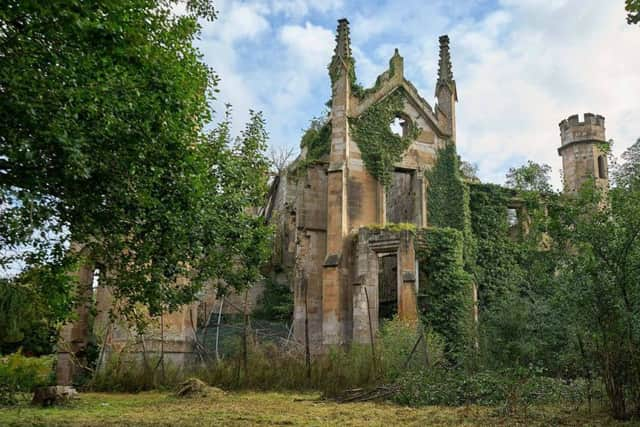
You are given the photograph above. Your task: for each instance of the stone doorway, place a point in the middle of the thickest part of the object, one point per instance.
(387, 286)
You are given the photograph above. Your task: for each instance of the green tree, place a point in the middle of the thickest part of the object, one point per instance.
(633, 11)
(530, 177)
(469, 171)
(627, 173)
(599, 235)
(31, 308)
(101, 142)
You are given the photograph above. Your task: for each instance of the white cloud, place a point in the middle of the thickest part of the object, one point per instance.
(237, 22)
(310, 45)
(521, 67)
(300, 8)
(544, 64)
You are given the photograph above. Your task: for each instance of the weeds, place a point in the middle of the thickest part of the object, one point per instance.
(20, 374)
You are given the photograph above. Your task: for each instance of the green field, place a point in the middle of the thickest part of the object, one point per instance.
(254, 408)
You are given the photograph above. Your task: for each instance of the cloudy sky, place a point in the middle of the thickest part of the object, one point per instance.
(521, 66)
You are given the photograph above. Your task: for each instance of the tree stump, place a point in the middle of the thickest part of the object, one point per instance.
(53, 395)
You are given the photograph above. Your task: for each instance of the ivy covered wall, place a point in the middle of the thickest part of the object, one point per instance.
(514, 274)
(447, 193)
(445, 286)
(497, 267)
(469, 242)
(379, 146)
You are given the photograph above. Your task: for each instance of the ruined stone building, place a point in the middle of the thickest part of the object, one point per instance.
(344, 275)
(348, 212)
(349, 267)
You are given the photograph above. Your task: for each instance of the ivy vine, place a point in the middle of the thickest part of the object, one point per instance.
(448, 199)
(317, 141)
(445, 292)
(379, 146)
(335, 72)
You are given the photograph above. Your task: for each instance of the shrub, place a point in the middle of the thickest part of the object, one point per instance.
(20, 374)
(402, 348)
(508, 389)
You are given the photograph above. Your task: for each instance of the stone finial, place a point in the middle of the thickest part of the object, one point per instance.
(342, 52)
(343, 40)
(445, 72)
(396, 64)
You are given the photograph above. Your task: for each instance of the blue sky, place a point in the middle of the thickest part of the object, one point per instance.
(521, 66)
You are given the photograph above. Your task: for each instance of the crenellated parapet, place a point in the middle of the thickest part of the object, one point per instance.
(590, 129)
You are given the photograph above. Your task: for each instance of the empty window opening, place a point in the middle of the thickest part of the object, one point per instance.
(95, 281)
(399, 126)
(602, 168)
(387, 286)
(512, 217)
(401, 198)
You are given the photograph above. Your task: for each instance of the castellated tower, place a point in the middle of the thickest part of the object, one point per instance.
(581, 157)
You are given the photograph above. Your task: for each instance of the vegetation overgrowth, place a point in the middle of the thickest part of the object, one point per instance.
(528, 297)
(20, 374)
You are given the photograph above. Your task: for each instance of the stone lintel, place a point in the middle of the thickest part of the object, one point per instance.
(408, 276)
(336, 167)
(359, 280)
(332, 260)
(385, 245)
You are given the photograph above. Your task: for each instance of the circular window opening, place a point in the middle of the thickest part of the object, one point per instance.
(399, 126)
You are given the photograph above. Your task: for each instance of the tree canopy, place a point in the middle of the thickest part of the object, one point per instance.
(633, 11)
(627, 173)
(530, 177)
(103, 143)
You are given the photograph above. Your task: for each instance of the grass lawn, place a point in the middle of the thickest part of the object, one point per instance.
(257, 408)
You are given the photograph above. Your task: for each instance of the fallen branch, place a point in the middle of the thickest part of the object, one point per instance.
(366, 395)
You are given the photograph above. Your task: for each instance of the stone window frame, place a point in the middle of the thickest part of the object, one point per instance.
(602, 166)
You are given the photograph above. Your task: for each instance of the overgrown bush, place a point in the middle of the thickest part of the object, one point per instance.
(406, 346)
(20, 374)
(510, 389)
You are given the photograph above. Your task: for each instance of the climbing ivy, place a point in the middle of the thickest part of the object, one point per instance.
(448, 199)
(357, 90)
(515, 273)
(317, 141)
(497, 268)
(360, 92)
(447, 194)
(445, 286)
(380, 147)
(504, 260)
(276, 302)
(335, 72)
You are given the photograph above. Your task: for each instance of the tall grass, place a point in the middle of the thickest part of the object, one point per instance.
(272, 367)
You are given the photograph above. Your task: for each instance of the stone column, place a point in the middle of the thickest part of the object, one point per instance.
(333, 286)
(407, 299)
(74, 336)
